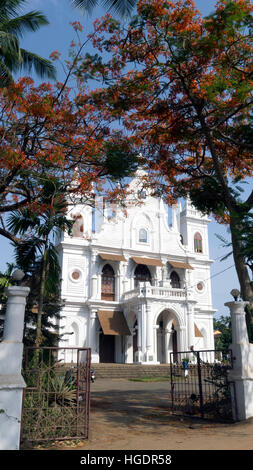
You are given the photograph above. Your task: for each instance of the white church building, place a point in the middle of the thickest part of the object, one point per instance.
(136, 288)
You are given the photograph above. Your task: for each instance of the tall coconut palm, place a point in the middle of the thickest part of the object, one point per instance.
(13, 25)
(122, 7)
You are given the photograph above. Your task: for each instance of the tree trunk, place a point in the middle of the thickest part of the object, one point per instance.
(241, 267)
(231, 204)
(41, 299)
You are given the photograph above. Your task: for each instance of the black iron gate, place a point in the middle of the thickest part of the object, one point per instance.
(199, 384)
(56, 400)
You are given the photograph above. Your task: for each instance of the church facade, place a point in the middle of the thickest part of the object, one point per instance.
(136, 288)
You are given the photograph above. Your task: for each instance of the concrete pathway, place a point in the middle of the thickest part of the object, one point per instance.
(129, 415)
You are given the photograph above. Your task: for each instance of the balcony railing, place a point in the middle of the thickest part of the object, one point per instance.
(154, 291)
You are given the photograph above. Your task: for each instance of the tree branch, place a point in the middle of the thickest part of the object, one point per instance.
(10, 236)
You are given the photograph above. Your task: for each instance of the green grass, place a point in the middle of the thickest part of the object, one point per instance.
(150, 379)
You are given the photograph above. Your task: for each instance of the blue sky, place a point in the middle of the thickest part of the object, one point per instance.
(57, 36)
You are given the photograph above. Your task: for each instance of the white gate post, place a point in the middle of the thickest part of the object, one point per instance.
(242, 373)
(11, 380)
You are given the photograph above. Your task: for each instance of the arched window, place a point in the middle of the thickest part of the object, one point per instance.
(108, 283)
(143, 235)
(198, 246)
(141, 274)
(175, 280)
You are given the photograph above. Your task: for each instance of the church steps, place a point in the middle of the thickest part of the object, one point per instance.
(105, 370)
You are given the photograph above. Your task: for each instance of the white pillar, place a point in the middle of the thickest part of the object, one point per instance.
(191, 333)
(140, 333)
(118, 278)
(156, 330)
(11, 380)
(241, 375)
(129, 347)
(167, 334)
(149, 334)
(123, 267)
(181, 338)
(93, 336)
(94, 276)
(238, 323)
(94, 285)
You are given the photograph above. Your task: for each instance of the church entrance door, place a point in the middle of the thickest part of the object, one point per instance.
(106, 348)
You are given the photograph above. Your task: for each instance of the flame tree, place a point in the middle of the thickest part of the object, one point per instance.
(181, 86)
(53, 131)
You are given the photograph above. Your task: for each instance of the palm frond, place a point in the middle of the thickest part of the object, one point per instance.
(12, 27)
(30, 22)
(122, 7)
(5, 278)
(54, 271)
(226, 256)
(85, 5)
(12, 60)
(5, 75)
(26, 253)
(225, 242)
(8, 42)
(19, 222)
(10, 269)
(10, 8)
(43, 67)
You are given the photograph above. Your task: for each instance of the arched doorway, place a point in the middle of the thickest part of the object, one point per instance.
(141, 274)
(166, 338)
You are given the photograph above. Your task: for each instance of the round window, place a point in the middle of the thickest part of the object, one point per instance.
(75, 275)
(200, 286)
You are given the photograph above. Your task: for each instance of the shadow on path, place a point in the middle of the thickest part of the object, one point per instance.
(125, 403)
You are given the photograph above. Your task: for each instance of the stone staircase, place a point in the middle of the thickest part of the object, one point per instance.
(130, 371)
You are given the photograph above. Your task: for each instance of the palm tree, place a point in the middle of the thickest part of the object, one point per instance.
(12, 28)
(122, 7)
(37, 254)
(5, 278)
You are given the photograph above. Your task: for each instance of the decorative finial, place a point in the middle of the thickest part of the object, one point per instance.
(235, 293)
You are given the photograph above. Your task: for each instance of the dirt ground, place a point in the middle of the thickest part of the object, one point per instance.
(129, 415)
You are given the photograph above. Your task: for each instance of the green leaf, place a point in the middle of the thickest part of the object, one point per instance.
(5, 75)
(43, 67)
(12, 27)
(122, 7)
(30, 22)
